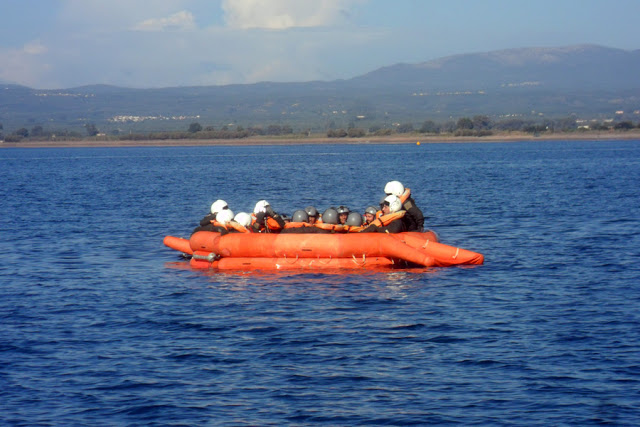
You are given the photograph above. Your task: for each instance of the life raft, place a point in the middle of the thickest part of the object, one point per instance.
(272, 251)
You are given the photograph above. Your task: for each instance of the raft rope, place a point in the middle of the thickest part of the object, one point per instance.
(364, 260)
(325, 263)
(293, 262)
(457, 252)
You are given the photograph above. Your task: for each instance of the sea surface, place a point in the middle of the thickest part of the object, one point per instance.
(100, 324)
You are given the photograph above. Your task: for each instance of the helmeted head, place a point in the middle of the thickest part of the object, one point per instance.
(330, 216)
(300, 216)
(371, 210)
(393, 202)
(312, 214)
(370, 213)
(261, 206)
(243, 219)
(218, 205)
(354, 219)
(394, 187)
(224, 216)
(343, 214)
(343, 209)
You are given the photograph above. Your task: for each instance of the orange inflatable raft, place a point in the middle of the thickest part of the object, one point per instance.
(271, 251)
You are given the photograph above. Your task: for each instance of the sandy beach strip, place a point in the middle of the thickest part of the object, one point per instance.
(293, 140)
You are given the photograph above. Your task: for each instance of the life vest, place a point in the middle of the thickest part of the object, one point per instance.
(237, 226)
(355, 229)
(297, 225)
(405, 196)
(218, 224)
(385, 220)
(270, 223)
(338, 228)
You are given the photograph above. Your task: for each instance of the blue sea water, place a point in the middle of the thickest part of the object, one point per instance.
(100, 324)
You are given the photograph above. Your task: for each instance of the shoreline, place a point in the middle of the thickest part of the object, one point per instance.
(397, 139)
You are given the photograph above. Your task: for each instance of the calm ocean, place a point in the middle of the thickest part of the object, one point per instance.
(100, 324)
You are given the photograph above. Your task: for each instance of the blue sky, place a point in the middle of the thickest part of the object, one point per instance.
(48, 44)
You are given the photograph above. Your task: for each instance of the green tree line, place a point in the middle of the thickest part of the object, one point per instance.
(479, 125)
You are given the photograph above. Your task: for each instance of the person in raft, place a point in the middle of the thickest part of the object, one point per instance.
(219, 224)
(391, 220)
(239, 224)
(312, 213)
(265, 219)
(216, 207)
(206, 223)
(369, 215)
(300, 224)
(414, 219)
(343, 214)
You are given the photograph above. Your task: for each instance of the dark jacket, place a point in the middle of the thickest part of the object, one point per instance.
(207, 219)
(396, 226)
(211, 227)
(413, 219)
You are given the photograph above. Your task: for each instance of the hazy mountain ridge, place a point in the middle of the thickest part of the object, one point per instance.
(563, 67)
(584, 80)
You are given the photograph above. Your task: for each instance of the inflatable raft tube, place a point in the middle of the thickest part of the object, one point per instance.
(248, 251)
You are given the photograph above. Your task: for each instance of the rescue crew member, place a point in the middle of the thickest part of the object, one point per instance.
(216, 207)
(219, 224)
(391, 220)
(265, 219)
(240, 224)
(414, 218)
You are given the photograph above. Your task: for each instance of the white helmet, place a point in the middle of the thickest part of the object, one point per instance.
(224, 216)
(243, 219)
(394, 187)
(261, 206)
(394, 203)
(218, 205)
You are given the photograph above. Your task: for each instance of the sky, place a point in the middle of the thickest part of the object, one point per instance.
(57, 44)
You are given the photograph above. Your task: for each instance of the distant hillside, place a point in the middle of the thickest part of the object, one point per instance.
(585, 81)
(584, 67)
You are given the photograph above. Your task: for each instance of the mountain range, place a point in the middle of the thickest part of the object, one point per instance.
(585, 81)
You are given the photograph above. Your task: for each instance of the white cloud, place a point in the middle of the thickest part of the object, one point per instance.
(24, 66)
(283, 14)
(182, 20)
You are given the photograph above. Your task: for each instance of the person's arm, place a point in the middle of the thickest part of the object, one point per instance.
(396, 226)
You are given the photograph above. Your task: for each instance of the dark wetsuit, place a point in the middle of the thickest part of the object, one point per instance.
(395, 226)
(413, 219)
(210, 227)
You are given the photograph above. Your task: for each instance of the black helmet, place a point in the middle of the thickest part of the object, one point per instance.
(300, 216)
(311, 211)
(330, 216)
(354, 219)
(371, 210)
(343, 209)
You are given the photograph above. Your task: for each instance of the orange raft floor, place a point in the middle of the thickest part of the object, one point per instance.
(270, 251)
